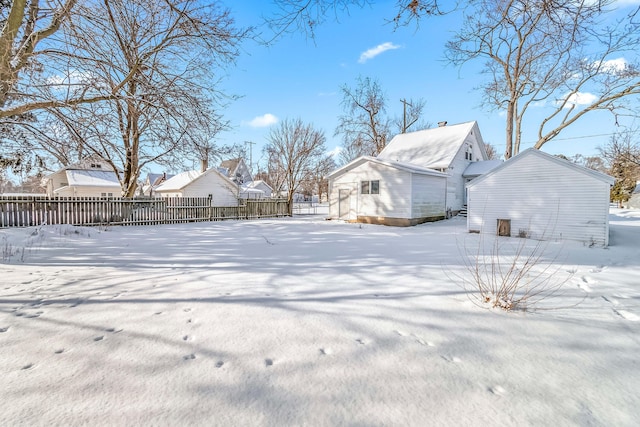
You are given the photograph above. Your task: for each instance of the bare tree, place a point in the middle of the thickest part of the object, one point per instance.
(549, 53)
(306, 15)
(364, 126)
(492, 153)
(293, 151)
(157, 60)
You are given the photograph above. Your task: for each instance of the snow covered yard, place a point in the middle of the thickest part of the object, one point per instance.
(307, 322)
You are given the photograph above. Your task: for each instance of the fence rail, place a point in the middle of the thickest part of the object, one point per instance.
(19, 211)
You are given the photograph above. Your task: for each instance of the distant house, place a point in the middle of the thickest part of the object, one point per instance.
(153, 181)
(258, 186)
(210, 183)
(544, 197)
(236, 170)
(634, 200)
(88, 178)
(419, 176)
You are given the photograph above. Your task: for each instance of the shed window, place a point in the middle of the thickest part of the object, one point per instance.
(370, 187)
(375, 187)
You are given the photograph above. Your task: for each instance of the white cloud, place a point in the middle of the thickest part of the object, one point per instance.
(263, 121)
(375, 51)
(580, 98)
(613, 66)
(335, 152)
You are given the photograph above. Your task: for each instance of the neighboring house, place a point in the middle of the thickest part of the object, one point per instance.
(236, 170)
(420, 175)
(152, 182)
(261, 185)
(544, 197)
(210, 183)
(376, 191)
(634, 200)
(88, 178)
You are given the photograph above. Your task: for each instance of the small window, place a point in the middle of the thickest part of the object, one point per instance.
(375, 187)
(370, 187)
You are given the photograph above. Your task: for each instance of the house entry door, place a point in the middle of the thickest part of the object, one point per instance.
(344, 204)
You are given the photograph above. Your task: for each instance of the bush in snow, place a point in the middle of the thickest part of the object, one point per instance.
(511, 273)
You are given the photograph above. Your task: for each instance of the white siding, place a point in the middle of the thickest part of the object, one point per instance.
(428, 196)
(455, 182)
(542, 198)
(394, 200)
(222, 192)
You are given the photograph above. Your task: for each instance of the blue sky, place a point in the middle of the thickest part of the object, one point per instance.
(299, 77)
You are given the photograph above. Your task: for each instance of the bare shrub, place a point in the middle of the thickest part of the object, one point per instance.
(511, 274)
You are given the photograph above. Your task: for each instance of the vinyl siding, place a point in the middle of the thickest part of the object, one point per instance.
(428, 196)
(546, 200)
(222, 192)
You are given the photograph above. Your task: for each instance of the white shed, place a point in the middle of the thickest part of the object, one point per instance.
(376, 191)
(210, 183)
(543, 197)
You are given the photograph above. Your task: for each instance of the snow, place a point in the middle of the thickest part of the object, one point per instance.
(92, 178)
(431, 148)
(302, 321)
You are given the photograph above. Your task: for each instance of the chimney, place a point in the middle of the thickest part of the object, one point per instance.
(442, 124)
(204, 165)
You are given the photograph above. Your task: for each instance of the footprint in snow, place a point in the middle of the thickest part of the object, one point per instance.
(452, 359)
(268, 362)
(425, 343)
(361, 341)
(627, 315)
(219, 364)
(401, 333)
(4, 329)
(189, 356)
(99, 338)
(27, 366)
(326, 351)
(59, 351)
(497, 390)
(186, 310)
(113, 330)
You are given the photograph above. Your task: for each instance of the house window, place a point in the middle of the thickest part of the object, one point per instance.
(468, 155)
(106, 194)
(96, 165)
(370, 187)
(375, 187)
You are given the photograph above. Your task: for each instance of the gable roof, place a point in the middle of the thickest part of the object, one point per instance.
(256, 183)
(548, 157)
(181, 180)
(91, 178)
(431, 148)
(408, 167)
(230, 165)
(480, 168)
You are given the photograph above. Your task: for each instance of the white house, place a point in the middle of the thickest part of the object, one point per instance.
(261, 185)
(90, 177)
(543, 197)
(376, 191)
(153, 180)
(421, 177)
(634, 200)
(210, 183)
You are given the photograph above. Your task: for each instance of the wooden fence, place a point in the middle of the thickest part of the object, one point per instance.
(18, 211)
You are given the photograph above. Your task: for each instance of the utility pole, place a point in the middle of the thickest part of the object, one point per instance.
(404, 115)
(251, 144)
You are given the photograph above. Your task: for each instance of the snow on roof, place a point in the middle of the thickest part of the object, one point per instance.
(92, 178)
(480, 168)
(256, 183)
(535, 152)
(396, 165)
(179, 181)
(432, 148)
